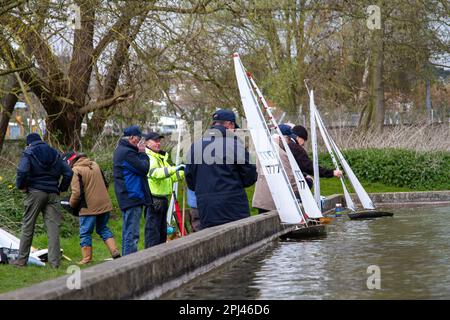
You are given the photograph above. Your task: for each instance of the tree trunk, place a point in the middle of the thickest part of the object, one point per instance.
(378, 81)
(63, 129)
(372, 115)
(428, 99)
(8, 101)
(361, 93)
(95, 126)
(68, 124)
(300, 58)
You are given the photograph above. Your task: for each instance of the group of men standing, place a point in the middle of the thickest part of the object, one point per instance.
(143, 181)
(217, 171)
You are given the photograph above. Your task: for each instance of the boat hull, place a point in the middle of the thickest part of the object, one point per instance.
(369, 214)
(313, 231)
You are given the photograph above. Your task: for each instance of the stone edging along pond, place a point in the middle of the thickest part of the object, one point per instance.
(152, 272)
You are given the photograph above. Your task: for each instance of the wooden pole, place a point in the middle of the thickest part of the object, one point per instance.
(183, 213)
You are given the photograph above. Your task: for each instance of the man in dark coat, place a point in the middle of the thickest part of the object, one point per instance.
(38, 175)
(218, 170)
(130, 168)
(297, 145)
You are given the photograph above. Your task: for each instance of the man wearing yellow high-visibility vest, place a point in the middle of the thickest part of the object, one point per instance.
(161, 177)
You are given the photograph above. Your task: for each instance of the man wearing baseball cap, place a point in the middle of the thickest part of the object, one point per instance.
(130, 168)
(218, 170)
(161, 177)
(226, 118)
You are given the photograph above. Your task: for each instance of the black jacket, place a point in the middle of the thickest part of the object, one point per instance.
(305, 163)
(41, 167)
(218, 170)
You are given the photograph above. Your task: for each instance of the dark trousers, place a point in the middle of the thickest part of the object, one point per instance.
(48, 203)
(195, 220)
(156, 222)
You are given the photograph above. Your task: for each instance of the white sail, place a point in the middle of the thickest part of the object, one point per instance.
(325, 137)
(359, 189)
(175, 185)
(309, 205)
(277, 179)
(314, 151)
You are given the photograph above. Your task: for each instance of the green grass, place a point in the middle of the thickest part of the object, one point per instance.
(333, 186)
(12, 278)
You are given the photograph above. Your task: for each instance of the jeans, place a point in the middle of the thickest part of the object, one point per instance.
(130, 229)
(156, 222)
(87, 224)
(48, 203)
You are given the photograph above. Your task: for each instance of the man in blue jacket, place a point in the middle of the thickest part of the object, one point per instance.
(131, 166)
(218, 171)
(38, 175)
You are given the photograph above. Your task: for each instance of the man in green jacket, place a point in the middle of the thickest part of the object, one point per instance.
(161, 177)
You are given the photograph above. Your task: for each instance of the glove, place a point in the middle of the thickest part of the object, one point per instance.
(180, 167)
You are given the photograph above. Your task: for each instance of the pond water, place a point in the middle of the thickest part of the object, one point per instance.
(410, 253)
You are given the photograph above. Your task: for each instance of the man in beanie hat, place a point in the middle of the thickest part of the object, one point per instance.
(32, 137)
(38, 175)
(95, 213)
(300, 132)
(297, 146)
(130, 168)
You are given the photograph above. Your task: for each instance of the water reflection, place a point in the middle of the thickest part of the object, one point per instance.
(412, 250)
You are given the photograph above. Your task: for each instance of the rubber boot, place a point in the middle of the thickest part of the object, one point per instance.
(111, 245)
(86, 252)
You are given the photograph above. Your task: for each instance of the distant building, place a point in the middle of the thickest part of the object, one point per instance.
(21, 124)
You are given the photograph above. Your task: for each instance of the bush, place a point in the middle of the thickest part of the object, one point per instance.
(399, 167)
(12, 209)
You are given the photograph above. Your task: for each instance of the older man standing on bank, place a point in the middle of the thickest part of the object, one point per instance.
(131, 166)
(161, 177)
(38, 175)
(218, 170)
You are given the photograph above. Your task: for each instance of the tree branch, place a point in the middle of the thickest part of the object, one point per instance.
(102, 104)
(40, 49)
(439, 65)
(6, 72)
(7, 7)
(199, 8)
(110, 36)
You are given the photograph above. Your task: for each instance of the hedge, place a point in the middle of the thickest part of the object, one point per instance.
(399, 167)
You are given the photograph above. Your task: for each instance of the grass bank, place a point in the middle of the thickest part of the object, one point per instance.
(371, 166)
(12, 278)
